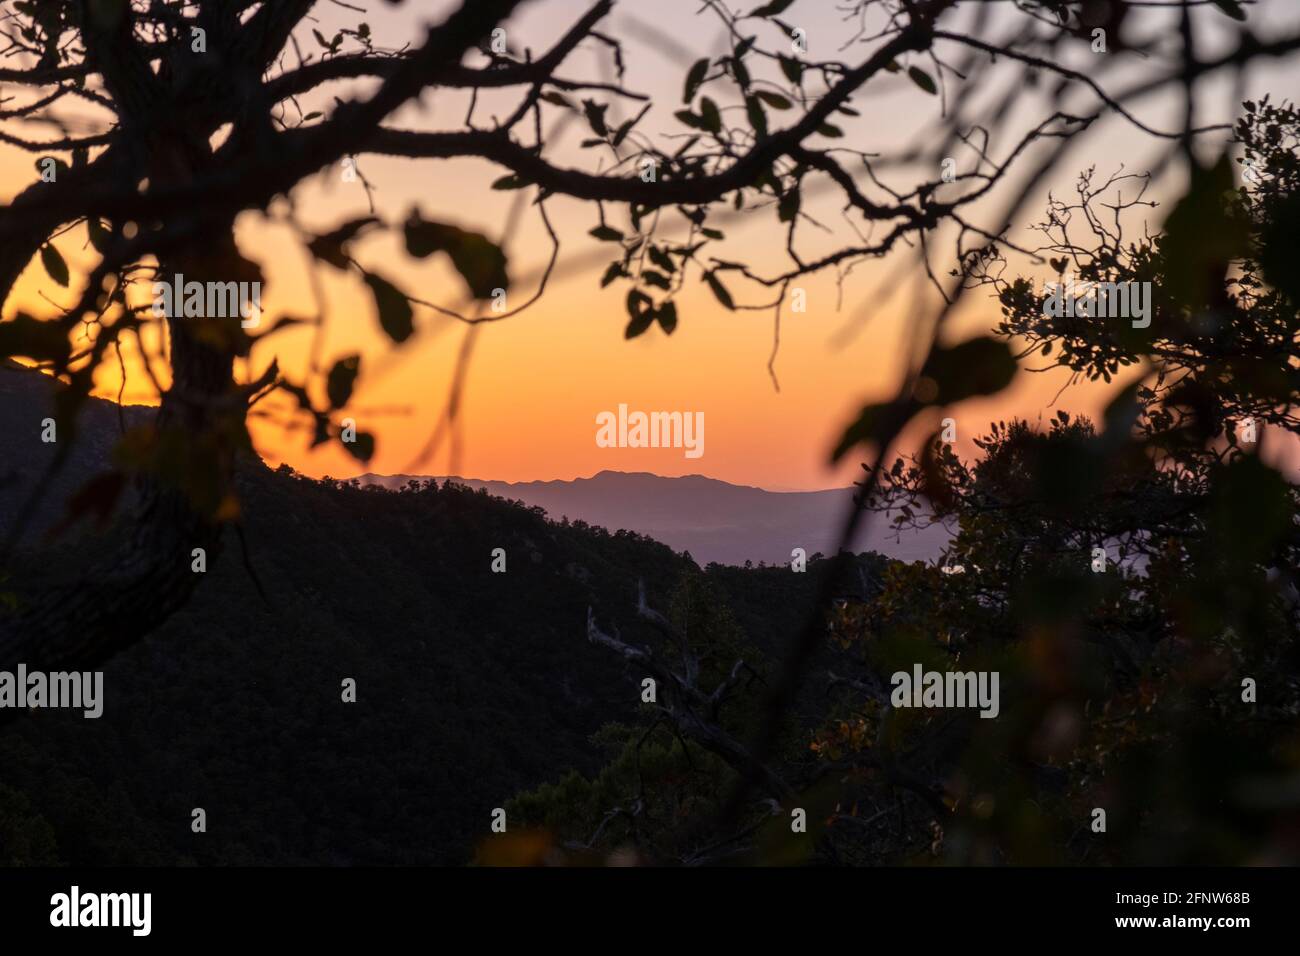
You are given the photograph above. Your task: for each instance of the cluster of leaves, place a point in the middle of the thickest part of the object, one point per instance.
(657, 270)
(1133, 582)
(479, 261)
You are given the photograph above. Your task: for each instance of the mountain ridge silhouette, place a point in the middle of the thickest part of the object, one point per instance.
(715, 520)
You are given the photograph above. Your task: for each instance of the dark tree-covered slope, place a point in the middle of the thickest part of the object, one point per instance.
(471, 685)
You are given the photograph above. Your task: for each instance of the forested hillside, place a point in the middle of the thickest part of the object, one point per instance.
(471, 685)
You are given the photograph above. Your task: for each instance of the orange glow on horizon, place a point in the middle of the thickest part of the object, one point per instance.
(536, 383)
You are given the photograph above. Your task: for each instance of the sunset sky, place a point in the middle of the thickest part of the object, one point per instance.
(537, 381)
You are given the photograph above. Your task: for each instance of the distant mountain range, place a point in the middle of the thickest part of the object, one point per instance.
(714, 520)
